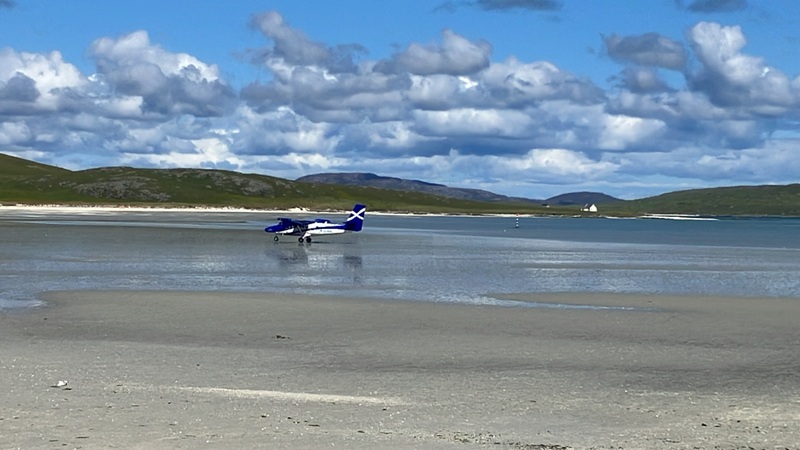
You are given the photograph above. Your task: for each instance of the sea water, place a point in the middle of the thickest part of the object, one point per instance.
(449, 259)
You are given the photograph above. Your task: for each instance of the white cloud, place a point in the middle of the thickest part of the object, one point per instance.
(391, 135)
(718, 47)
(291, 46)
(136, 51)
(514, 82)
(472, 122)
(12, 133)
(51, 75)
(733, 79)
(442, 112)
(649, 49)
(121, 107)
(557, 164)
(455, 56)
(621, 132)
(281, 131)
(168, 83)
(436, 92)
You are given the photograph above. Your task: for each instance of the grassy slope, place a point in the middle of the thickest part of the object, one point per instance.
(23, 181)
(27, 182)
(725, 201)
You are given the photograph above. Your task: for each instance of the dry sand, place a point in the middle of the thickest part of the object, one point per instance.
(232, 370)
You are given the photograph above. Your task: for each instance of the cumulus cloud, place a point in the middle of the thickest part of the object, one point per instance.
(282, 131)
(13, 133)
(551, 165)
(291, 47)
(421, 102)
(649, 49)
(734, 79)
(515, 83)
(36, 82)
(136, 103)
(469, 122)
(319, 111)
(168, 83)
(449, 103)
(718, 47)
(642, 80)
(776, 160)
(443, 111)
(18, 94)
(455, 56)
(323, 97)
(731, 100)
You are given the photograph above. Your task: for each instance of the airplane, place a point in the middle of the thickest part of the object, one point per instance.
(304, 229)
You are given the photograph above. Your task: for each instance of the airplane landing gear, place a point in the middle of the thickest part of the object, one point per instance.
(275, 238)
(308, 240)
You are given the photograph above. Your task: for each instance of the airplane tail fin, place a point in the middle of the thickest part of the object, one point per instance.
(355, 222)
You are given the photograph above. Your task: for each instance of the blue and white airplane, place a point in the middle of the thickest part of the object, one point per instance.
(304, 229)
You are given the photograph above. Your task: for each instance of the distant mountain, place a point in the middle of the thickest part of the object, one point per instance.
(400, 184)
(581, 198)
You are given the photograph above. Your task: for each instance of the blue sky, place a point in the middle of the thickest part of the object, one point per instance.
(531, 98)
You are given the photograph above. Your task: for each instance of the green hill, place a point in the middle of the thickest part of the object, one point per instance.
(28, 182)
(23, 181)
(768, 200)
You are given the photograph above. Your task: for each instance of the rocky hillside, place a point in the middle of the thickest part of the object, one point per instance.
(400, 184)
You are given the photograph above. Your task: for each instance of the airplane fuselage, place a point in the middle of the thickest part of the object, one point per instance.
(319, 227)
(313, 229)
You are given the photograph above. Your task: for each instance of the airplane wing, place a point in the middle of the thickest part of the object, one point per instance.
(294, 222)
(287, 225)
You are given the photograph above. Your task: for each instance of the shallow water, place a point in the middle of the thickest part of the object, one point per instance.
(440, 259)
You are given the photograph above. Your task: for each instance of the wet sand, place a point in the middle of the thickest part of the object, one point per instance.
(237, 370)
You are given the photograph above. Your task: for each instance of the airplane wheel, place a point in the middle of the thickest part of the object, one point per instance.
(308, 240)
(275, 239)
(300, 240)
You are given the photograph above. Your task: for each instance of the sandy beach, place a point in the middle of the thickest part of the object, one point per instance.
(235, 370)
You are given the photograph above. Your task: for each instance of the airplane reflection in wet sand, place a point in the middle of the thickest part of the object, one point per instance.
(326, 261)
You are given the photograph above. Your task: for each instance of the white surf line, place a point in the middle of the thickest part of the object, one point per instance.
(282, 395)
